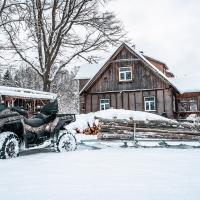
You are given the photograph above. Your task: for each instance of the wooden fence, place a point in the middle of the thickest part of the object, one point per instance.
(117, 129)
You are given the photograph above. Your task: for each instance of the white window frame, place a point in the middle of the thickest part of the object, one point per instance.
(125, 73)
(149, 103)
(104, 104)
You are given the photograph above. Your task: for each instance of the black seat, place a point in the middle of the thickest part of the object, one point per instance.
(48, 113)
(39, 120)
(35, 122)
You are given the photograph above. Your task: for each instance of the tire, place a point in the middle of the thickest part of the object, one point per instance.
(66, 142)
(9, 145)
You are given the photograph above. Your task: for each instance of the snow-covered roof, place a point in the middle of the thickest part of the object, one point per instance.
(138, 54)
(187, 84)
(87, 71)
(26, 93)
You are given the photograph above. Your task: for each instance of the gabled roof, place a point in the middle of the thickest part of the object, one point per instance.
(137, 54)
(187, 84)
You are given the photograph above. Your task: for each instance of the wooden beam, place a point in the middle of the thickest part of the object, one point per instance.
(124, 60)
(110, 101)
(91, 105)
(164, 108)
(122, 100)
(134, 101)
(117, 91)
(128, 101)
(116, 100)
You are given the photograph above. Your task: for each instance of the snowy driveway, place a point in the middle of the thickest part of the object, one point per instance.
(109, 174)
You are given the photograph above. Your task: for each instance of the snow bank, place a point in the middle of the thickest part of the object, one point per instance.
(194, 118)
(84, 121)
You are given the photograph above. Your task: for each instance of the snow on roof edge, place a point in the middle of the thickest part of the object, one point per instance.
(29, 93)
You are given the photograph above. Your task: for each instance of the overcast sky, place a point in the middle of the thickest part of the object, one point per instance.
(165, 29)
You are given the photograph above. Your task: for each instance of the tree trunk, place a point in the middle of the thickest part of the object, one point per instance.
(46, 85)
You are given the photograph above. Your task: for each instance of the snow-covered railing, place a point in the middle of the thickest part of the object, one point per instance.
(26, 93)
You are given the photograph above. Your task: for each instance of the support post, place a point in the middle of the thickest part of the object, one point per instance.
(134, 132)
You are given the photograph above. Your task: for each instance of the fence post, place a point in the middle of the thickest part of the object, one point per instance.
(134, 132)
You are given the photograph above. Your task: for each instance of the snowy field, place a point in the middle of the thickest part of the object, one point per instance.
(106, 174)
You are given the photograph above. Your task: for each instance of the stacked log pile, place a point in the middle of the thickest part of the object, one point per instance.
(153, 129)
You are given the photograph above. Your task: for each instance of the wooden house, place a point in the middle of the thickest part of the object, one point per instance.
(129, 80)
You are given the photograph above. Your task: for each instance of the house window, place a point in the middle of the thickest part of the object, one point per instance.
(149, 104)
(125, 73)
(104, 104)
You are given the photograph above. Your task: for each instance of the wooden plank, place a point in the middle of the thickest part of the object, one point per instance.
(160, 103)
(124, 60)
(128, 101)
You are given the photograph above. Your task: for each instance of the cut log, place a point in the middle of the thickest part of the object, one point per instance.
(167, 131)
(141, 135)
(104, 136)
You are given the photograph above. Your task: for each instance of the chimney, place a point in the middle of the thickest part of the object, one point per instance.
(133, 46)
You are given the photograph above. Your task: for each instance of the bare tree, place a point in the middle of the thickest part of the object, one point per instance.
(8, 7)
(2, 6)
(55, 32)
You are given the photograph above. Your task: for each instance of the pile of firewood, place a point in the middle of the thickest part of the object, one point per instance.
(153, 129)
(91, 130)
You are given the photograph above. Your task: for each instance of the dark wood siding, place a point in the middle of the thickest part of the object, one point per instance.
(143, 77)
(82, 83)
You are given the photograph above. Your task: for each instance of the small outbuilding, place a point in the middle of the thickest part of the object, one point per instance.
(188, 100)
(31, 100)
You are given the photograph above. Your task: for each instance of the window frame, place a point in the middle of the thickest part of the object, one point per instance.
(104, 104)
(125, 72)
(149, 103)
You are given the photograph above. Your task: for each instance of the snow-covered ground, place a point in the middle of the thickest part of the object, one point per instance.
(106, 174)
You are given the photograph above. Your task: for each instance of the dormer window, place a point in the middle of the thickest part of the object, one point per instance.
(125, 73)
